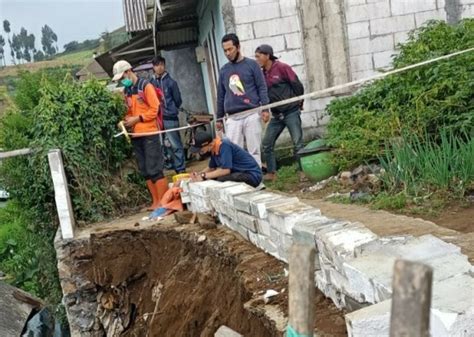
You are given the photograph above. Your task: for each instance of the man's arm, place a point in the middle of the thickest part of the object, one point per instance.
(260, 84)
(176, 94)
(220, 96)
(152, 102)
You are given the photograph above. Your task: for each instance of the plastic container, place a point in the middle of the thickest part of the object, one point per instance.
(181, 176)
(316, 161)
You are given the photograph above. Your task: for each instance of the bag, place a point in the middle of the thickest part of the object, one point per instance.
(161, 98)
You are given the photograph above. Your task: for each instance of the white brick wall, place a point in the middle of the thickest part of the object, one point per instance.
(293, 41)
(276, 26)
(392, 24)
(358, 30)
(259, 12)
(362, 62)
(288, 7)
(245, 31)
(292, 57)
(423, 17)
(277, 42)
(467, 11)
(400, 7)
(383, 59)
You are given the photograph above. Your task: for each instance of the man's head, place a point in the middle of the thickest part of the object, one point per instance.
(159, 65)
(231, 46)
(123, 72)
(264, 55)
(201, 143)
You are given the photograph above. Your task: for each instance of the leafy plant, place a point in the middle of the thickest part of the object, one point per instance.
(426, 99)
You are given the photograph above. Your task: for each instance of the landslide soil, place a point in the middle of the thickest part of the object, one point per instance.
(209, 278)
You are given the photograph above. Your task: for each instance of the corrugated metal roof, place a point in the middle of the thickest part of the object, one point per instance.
(184, 35)
(135, 12)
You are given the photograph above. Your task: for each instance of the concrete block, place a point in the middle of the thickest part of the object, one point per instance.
(301, 72)
(357, 13)
(268, 245)
(359, 46)
(379, 9)
(254, 238)
(357, 75)
(286, 25)
(423, 17)
(214, 192)
(329, 290)
(284, 217)
(372, 321)
(392, 24)
(258, 12)
(242, 202)
(383, 60)
(355, 2)
(240, 3)
(246, 220)
(258, 208)
(257, 2)
(358, 30)
(231, 224)
(277, 42)
(400, 7)
(202, 188)
(263, 227)
(305, 232)
(288, 7)
(225, 331)
(245, 31)
(293, 40)
(400, 37)
(361, 62)
(467, 11)
(374, 44)
(292, 57)
(227, 194)
(200, 204)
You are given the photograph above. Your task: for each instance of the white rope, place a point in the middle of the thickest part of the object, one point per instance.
(313, 94)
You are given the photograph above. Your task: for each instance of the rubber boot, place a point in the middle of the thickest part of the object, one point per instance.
(154, 196)
(161, 186)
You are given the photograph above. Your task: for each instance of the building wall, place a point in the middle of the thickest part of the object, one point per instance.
(375, 27)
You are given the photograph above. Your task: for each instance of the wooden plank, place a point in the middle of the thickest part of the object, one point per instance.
(15, 153)
(411, 300)
(301, 289)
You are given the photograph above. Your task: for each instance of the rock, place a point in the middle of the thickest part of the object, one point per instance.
(319, 186)
(201, 238)
(259, 208)
(263, 227)
(246, 220)
(206, 221)
(183, 217)
(283, 217)
(345, 178)
(242, 201)
(224, 331)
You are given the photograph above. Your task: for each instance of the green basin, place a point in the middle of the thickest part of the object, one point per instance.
(316, 161)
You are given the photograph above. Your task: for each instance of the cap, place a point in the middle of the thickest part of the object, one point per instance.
(119, 68)
(200, 139)
(266, 49)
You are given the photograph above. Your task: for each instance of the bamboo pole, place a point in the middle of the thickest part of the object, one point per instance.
(15, 153)
(411, 299)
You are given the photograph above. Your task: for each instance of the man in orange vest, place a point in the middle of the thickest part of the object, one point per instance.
(141, 117)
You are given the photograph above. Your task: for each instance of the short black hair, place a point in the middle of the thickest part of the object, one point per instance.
(158, 60)
(231, 37)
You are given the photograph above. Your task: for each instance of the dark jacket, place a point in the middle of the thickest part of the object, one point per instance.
(170, 90)
(283, 83)
(241, 87)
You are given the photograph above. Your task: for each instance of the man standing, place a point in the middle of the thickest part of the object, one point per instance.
(141, 117)
(241, 87)
(282, 84)
(229, 162)
(172, 102)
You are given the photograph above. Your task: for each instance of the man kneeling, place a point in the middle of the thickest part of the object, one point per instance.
(229, 162)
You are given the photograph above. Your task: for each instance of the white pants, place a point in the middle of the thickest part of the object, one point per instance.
(246, 131)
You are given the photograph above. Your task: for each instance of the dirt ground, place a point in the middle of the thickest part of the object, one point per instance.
(206, 278)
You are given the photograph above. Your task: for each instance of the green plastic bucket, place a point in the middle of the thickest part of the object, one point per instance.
(316, 161)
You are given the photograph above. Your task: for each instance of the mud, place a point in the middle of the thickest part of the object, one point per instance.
(183, 280)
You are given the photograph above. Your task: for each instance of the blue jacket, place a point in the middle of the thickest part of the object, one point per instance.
(170, 90)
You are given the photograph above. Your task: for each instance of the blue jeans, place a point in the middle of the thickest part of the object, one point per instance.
(174, 150)
(291, 120)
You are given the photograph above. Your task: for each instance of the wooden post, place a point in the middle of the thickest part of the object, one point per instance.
(411, 299)
(15, 153)
(301, 289)
(61, 194)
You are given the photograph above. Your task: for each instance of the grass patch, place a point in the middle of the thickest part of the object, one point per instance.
(287, 179)
(391, 202)
(79, 57)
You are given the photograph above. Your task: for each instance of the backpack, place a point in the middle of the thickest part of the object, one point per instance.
(142, 83)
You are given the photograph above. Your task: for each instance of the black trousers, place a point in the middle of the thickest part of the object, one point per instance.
(239, 177)
(149, 157)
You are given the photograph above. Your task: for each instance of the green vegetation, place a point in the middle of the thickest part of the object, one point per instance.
(287, 179)
(424, 100)
(52, 111)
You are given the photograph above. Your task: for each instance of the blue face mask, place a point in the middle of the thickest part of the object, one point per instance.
(126, 82)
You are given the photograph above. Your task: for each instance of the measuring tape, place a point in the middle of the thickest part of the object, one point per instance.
(313, 94)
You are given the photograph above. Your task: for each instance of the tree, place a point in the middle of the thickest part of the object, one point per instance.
(47, 39)
(38, 56)
(71, 46)
(7, 29)
(2, 50)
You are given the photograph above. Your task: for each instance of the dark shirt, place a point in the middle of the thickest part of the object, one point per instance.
(236, 159)
(283, 83)
(170, 89)
(241, 87)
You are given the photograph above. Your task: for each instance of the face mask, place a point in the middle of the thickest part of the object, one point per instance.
(126, 82)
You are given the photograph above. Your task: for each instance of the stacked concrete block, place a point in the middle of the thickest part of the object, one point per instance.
(284, 217)
(452, 311)
(233, 225)
(199, 195)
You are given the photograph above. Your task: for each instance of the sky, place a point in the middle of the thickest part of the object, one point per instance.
(70, 19)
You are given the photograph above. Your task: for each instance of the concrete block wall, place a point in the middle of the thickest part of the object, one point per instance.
(353, 265)
(375, 27)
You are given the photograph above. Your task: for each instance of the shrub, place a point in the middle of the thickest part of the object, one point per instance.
(426, 99)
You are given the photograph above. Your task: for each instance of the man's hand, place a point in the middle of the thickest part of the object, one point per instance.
(219, 125)
(130, 121)
(265, 116)
(195, 177)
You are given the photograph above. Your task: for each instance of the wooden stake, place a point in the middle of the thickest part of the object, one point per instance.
(301, 289)
(411, 299)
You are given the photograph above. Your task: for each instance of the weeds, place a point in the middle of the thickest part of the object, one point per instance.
(287, 179)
